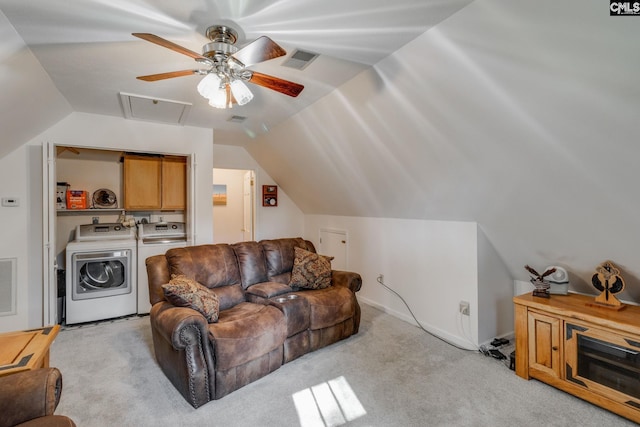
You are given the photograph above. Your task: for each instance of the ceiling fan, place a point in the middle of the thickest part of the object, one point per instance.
(226, 72)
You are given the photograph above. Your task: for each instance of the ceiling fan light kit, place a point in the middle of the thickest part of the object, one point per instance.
(223, 82)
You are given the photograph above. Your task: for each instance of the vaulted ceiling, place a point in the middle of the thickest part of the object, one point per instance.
(87, 49)
(520, 115)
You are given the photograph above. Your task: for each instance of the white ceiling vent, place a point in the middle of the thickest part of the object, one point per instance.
(300, 59)
(139, 107)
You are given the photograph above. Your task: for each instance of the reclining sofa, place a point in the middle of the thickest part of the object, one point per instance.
(29, 399)
(265, 318)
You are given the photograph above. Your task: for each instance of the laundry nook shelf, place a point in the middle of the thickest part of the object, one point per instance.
(89, 211)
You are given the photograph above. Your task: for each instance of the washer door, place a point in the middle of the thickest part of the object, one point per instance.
(101, 274)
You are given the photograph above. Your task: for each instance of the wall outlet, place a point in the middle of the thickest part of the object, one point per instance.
(464, 308)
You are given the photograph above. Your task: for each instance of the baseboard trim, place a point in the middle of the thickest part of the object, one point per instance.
(445, 336)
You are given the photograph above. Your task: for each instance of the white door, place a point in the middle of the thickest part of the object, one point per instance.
(248, 195)
(334, 243)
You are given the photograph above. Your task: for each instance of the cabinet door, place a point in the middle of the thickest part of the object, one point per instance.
(544, 344)
(174, 183)
(142, 183)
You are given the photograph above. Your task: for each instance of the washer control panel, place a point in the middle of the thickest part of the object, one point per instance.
(161, 230)
(105, 231)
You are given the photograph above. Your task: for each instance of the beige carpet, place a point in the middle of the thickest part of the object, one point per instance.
(390, 374)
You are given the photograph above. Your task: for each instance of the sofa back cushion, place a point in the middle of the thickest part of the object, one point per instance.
(279, 255)
(253, 268)
(214, 266)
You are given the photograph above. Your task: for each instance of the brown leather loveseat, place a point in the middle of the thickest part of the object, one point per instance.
(29, 398)
(266, 315)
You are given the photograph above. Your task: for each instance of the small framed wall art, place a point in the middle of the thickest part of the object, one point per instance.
(269, 195)
(219, 194)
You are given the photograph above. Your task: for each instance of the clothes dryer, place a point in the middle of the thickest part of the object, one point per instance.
(101, 279)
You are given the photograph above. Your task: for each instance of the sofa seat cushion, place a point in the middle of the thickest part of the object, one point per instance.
(246, 332)
(329, 306)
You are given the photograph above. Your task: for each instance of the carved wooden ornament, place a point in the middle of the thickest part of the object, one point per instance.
(609, 282)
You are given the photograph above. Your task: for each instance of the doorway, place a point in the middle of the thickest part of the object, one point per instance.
(233, 205)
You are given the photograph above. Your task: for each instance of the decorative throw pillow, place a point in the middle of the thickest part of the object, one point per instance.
(182, 291)
(310, 270)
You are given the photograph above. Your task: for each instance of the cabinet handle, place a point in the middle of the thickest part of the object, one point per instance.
(554, 348)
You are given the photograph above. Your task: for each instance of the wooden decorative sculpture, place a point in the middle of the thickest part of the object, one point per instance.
(609, 282)
(538, 280)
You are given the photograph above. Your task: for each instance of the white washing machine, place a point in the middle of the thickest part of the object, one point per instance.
(101, 273)
(155, 239)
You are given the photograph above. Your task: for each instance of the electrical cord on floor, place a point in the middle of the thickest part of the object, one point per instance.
(419, 324)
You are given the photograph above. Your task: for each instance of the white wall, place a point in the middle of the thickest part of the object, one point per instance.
(285, 220)
(431, 264)
(21, 176)
(16, 232)
(495, 293)
(228, 220)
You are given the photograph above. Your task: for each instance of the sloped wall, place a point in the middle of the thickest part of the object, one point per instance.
(518, 115)
(30, 102)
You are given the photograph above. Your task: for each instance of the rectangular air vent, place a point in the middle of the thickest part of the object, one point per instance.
(237, 119)
(300, 59)
(8, 286)
(140, 107)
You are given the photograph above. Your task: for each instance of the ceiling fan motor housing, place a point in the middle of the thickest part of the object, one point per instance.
(222, 43)
(220, 49)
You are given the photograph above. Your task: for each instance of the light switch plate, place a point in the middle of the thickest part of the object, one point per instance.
(10, 202)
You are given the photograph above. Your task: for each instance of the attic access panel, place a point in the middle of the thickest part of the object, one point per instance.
(140, 107)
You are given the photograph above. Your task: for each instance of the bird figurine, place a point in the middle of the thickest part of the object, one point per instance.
(538, 280)
(609, 282)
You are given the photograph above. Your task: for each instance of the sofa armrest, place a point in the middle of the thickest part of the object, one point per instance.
(347, 279)
(183, 351)
(171, 322)
(29, 394)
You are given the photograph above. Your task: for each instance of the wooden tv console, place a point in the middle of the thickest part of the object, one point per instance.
(549, 332)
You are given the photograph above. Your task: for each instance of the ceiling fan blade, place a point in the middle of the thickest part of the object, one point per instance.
(277, 84)
(169, 45)
(169, 75)
(259, 50)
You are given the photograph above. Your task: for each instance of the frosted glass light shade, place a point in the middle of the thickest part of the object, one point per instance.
(241, 92)
(209, 85)
(218, 99)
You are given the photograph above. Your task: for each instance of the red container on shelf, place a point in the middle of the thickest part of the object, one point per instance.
(77, 199)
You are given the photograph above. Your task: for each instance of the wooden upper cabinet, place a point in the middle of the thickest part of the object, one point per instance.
(154, 183)
(174, 183)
